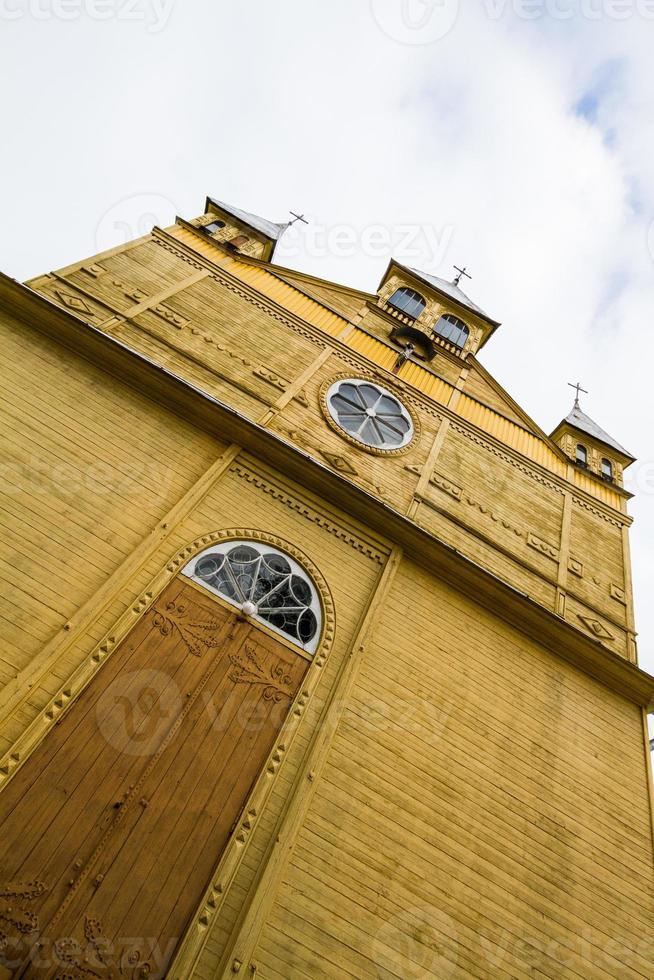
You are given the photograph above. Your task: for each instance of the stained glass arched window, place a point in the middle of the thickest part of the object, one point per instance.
(450, 328)
(408, 302)
(265, 584)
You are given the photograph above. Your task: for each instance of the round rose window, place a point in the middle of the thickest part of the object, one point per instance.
(370, 414)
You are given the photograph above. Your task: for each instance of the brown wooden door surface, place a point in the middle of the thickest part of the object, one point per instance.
(111, 830)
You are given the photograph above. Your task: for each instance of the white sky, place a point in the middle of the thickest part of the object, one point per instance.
(514, 136)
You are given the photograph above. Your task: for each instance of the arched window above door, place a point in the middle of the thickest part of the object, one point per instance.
(265, 584)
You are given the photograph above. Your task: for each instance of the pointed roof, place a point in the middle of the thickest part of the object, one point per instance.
(270, 229)
(579, 420)
(454, 292)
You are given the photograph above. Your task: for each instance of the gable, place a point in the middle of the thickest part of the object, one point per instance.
(346, 301)
(482, 386)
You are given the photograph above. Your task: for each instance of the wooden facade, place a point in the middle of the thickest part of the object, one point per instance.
(455, 782)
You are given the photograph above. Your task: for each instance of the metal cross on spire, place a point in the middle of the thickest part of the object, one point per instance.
(297, 217)
(578, 390)
(461, 272)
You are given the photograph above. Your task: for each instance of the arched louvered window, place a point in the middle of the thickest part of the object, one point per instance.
(450, 328)
(582, 455)
(607, 469)
(265, 584)
(407, 301)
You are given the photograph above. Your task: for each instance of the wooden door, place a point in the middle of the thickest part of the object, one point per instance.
(111, 830)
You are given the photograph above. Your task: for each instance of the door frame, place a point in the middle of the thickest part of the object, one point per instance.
(82, 676)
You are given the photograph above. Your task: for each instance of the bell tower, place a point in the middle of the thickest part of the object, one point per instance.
(319, 655)
(590, 447)
(239, 231)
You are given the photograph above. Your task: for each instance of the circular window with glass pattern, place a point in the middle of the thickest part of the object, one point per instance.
(369, 414)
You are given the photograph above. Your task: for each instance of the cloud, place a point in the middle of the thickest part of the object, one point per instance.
(523, 145)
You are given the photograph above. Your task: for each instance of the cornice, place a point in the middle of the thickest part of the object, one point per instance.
(283, 272)
(199, 261)
(528, 422)
(562, 639)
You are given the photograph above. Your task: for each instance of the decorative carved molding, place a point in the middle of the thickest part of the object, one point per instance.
(274, 379)
(598, 513)
(496, 518)
(576, 567)
(360, 363)
(313, 515)
(94, 269)
(435, 480)
(618, 593)
(297, 436)
(340, 463)
(246, 669)
(277, 381)
(170, 316)
(99, 956)
(14, 913)
(315, 335)
(74, 302)
(539, 545)
(506, 457)
(180, 253)
(446, 486)
(595, 627)
(197, 636)
(458, 494)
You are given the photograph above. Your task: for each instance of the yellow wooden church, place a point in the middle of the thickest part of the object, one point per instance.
(318, 655)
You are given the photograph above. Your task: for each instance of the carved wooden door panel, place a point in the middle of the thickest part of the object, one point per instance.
(111, 830)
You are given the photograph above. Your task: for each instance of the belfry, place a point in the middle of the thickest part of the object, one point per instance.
(319, 656)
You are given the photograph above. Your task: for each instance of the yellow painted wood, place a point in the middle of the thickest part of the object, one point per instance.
(464, 786)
